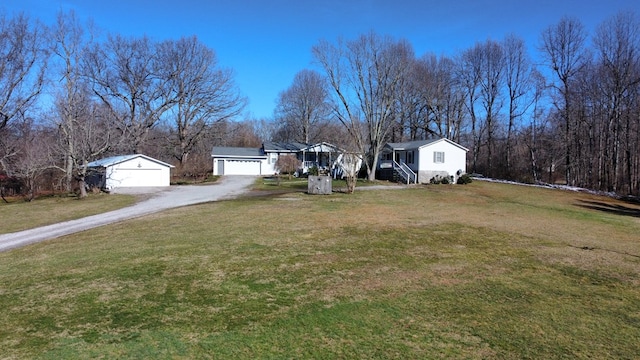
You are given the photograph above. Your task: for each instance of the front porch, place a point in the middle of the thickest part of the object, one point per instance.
(321, 156)
(324, 162)
(391, 170)
(398, 165)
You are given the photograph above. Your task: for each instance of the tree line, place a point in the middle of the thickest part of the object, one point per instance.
(572, 117)
(69, 95)
(68, 98)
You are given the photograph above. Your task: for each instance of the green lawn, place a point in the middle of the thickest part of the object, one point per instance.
(286, 184)
(21, 215)
(472, 272)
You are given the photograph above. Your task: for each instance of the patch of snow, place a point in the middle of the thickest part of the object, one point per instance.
(560, 187)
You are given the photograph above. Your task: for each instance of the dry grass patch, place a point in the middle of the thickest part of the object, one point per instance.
(17, 216)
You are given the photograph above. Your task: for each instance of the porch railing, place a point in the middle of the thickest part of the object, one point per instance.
(405, 172)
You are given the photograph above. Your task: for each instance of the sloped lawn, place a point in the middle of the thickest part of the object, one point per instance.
(20, 215)
(470, 272)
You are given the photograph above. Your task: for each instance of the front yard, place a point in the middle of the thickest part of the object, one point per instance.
(474, 272)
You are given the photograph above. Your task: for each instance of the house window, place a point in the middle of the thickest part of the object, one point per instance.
(274, 158)
(410, 157)
(438, 156)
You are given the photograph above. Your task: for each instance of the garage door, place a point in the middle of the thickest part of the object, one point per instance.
(138, 177)
(241, 167)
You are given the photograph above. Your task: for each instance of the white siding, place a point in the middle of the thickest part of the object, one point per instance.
(136, 172)
(270, 164)
(455, 159)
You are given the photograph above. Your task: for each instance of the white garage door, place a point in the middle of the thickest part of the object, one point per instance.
(241, 167)
(138, 177)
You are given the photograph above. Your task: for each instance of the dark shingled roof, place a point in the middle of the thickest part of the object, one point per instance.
(284, 147)
(410, 144)
(420, 143)
(237, 151)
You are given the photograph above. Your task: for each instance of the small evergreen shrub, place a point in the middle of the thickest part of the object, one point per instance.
(464, 179)
(439, 180)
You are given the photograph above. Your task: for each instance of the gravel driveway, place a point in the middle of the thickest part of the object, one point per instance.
(159, 199)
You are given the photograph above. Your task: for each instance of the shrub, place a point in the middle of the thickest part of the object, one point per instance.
(288, 164)
(441, 180)
(313, 171)
(464, 179)
(437, 180)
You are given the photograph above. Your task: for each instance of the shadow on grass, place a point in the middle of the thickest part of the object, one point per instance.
(616, 209)
(269, 194)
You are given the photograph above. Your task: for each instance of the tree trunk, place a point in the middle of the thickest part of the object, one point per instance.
(2, 195)
(68, 178)
(371, 169)
(83, 187)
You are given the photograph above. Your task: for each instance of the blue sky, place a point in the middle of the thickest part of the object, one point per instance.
(267, 42)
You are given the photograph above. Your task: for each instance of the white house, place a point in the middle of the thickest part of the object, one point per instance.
(420, 161)
(262, 161)
(129, 171)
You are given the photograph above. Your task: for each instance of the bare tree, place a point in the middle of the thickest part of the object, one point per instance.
(532, 137)
(350, 165)
(442, 97)
(81, 138)
(263, 128)
(29, 154)
(204, 93)
(303, 107)
(129, 77)
(517, 79)
(365, 75)
(563, 48)
(23, 62)
(90, 132)
(288, 164)
(241, 134)
(491, 80)
(9, 147)
(335, 133)
(67, 36)
(412, 120)
(468, 74)
(617, 41)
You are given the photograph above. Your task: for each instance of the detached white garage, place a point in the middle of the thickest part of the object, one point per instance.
(129, 171)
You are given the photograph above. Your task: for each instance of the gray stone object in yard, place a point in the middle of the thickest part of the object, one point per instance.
(319, 185)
